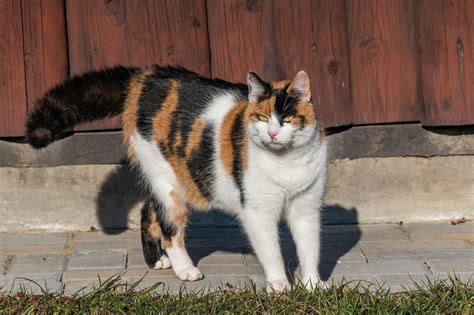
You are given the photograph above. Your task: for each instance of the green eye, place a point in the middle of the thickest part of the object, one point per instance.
(288, 119)
(262, 118)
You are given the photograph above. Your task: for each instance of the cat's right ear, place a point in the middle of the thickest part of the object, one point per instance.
(256, 86)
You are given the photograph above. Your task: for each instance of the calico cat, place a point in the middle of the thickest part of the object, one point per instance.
(256, 151)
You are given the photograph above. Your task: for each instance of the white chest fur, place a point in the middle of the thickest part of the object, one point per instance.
(292, 172)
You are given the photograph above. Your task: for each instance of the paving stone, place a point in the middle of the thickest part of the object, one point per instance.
(101, 236)
(447, 227)
(91, 274)
(11, 244)
(431, 232)
(125, 244)
(136, 261)
(451, 265)
(14, 249)
(33, 238)
(420, 255)
(36, 264)
(415, 246)
(396, 267)
(33, 285)
(362, 233)
(110, 259)
(337, 252)
(464, 277)
(215, 233)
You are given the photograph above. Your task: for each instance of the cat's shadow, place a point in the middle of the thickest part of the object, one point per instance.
(215, 232)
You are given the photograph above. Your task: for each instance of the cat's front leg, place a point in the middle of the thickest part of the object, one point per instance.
(303, 217)
(260, 221)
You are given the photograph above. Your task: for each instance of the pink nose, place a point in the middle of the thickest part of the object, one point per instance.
(272, 135)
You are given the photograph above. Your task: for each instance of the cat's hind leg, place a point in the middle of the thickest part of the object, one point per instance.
(173, 219)
(153, 251)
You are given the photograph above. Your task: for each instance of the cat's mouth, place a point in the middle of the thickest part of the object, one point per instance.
(275, 145)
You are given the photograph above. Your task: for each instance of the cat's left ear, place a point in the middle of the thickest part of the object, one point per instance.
(300, 87)
(256, 86)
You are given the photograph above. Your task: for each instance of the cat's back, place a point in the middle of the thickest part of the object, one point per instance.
(159, 98)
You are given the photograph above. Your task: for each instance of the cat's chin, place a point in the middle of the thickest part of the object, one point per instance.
(275, 146)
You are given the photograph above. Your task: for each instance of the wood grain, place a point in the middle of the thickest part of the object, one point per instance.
(383, 60)
(446, 39)
(12, 72)
(241, 37)
(136, 32)
(45, 45)
(311, 35)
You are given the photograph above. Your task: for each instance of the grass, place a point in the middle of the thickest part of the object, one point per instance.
(111, 296)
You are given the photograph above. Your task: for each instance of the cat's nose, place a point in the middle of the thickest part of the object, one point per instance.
(272, 134)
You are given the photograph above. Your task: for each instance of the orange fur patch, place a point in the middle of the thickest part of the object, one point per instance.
(225, 139)
(179, 212)
(278, 85)
(195, 136)
(192, 192)
(306, 110)
(161, 121)
(129, 117)
(154, 228)
(265, 107)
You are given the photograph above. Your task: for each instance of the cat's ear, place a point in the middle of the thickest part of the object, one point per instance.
(300, 87)
(256, 86)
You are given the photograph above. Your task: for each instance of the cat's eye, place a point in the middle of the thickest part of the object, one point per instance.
(262, 118)
(288, 119)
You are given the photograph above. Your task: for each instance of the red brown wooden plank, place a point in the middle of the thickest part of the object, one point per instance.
(241, 36)
(12, 72)
(45, 45)
(312, 35)
(446, 39)
(384, 78)
(136, 32)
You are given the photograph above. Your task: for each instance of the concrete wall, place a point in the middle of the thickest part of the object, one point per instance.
(365, 190)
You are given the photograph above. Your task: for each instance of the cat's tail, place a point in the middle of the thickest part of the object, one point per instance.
(91, 96)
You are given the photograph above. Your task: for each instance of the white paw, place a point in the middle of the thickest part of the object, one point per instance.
(163, 263)
(311, 283)
(190, 274)
(278, 285)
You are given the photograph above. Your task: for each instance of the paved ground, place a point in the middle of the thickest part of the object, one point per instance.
(384, 254)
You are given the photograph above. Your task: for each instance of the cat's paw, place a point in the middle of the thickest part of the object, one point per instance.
(278, 285)
(163, 263)
(190, 274)
(311, 283)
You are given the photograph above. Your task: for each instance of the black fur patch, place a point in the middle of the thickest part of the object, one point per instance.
(200, 163)
(152, 250)
(91, 96)
(168, 229)
(238, 134)
(153, 94)
(285, 104)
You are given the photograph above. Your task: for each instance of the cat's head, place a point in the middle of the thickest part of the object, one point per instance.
(280, 114)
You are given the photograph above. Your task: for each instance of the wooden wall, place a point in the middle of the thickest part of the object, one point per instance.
(370, 61)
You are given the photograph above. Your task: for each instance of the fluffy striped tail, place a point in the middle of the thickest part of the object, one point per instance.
(91, 96)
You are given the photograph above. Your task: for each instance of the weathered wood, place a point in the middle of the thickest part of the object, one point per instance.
(241, 36)
(311, 35)
(446, 39)
(383, 60)
(136, 32)
(12, 71)
(45, 45)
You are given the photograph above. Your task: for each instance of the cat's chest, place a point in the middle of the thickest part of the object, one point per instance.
(292, 174)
